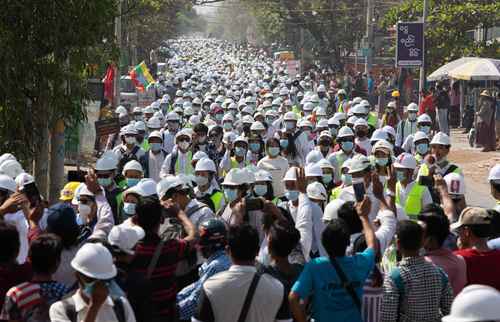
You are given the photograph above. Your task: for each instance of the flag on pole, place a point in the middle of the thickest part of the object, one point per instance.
(108, 83)
(141, 77)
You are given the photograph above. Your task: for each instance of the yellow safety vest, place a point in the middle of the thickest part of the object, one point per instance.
(217, 198)
(341, 107)
(372, 120)
(413, 204)
(335, 193)
(189, 167)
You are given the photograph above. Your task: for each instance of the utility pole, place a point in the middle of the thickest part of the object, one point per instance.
(421, 83)
(369, 36)
(301, 49)
(118, 39)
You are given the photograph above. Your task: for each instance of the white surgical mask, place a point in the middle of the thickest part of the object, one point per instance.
(130, 140)
(84, 211)
(183, 145)
(201, 180)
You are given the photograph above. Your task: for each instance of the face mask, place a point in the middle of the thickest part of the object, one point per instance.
(201, 180)
(289, 125)
(442, 162)
(426, 129)
(183, 145)
(239, 151)
(273, 151)
(347, 179)
(104, 181)
(227, 126)
(130, 140)
(400, 175)
(284, 143)
(422, 148)
(254, 147)
(88, 288)
(269, 121)
(173, 125)
(333, 131)
(138, 117)
(347, 146)
(412, 116)
(219, 117)
(382, 161)
(230, 194)
(84, 211)
(260, 190)
(292, 195)
(155, 147)
(132, 182)
(360, 134)
(357, 180)
(327, 178)
(129, 208)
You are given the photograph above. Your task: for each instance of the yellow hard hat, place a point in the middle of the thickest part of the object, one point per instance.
(68, 191)
(395, 93)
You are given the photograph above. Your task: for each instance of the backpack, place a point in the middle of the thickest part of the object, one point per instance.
(173, 161)
(71, 314)
(126, 157)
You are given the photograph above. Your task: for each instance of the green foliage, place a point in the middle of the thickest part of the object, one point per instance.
(46, 46)
(449, 27)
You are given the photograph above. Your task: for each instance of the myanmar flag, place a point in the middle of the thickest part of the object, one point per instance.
(141, 77)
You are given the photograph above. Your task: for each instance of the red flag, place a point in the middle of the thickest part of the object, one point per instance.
(108, 83)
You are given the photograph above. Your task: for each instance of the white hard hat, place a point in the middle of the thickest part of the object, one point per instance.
(419, 135)
(360, 122)
(184, 132)
(235, 177)
(313, 156)
(7, 183)
(12, 168)
(6, 156)
(305, 122)
(325, 133)
(313, 170)
(128, 130)
(132, 165)
(121, 110)
(168, 183)
(332, 209)
(316, 190)
(389, 130)
(339, 116)
(240, 139)
(352, 120)
(405, 161)
(494, 173)
(379, 134)
(172, 116)
(205, 164)
(333, 121)
(125, 237)
(194, 119)
(228, 117)
(441, 138)
(95, 261)
(257, 126)
(155, 134)
(290, 116)
(391, 104)
(322, 123)
(199, 155)
(359, 163)
(357, 100)
(247, 119)
(291, 174)
(358, 109)
(475, 303)
(140, 126)
(424, 118)
(345, 131)
(154, 123)
(24, 178)
(148, 110)
(455, 183)
(321, 88)
(137, 110)
(263, 175)
(412, 107)
(324, 163)
(247, 109)
(341, 92)
(383, 145)
(309, 106)
(146, 187)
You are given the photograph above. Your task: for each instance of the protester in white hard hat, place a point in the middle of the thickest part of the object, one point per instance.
(131, 198)
(476, 303)
(94, 214)
(154, 158)
(294, 142)
(235, 155)
(409, 194)
(97, 298)
(169, 133)
(206, 189)
(275, 164)
(133, 173)
(140, 127)
(382, 159)
(440, 148)
(407, 126)
(128, 150)
(325, 143)
(263, 186)
(391, 115)
(424, 124)
(256, 149)
(494, 181)
(345, 140)
(341, 100)
(362, 139)
(179, 160)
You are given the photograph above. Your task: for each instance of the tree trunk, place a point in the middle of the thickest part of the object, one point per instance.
(42, 148)
(56, 161)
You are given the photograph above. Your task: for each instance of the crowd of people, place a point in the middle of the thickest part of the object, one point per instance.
(246, 194)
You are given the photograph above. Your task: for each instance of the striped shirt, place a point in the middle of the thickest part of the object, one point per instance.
(164, 287)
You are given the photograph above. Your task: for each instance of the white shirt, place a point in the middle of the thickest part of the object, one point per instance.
(403, 130)
(168, 140)
(19, 220)
(106, 313)
(155, 163)
(364, 144)
(277, 167)
(347, 194)
(201, 214)
(403, 194)
(303, 146)
(310, 225)
(387, 229)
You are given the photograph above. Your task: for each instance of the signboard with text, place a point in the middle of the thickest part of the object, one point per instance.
(410, 44)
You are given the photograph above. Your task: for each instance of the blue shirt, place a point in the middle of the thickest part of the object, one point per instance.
(329, 299)
(187, 298)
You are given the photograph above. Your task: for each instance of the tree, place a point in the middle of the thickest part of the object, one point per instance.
(449, 24)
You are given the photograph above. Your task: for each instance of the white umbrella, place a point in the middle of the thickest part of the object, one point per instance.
(443, 71)
(477, 69)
